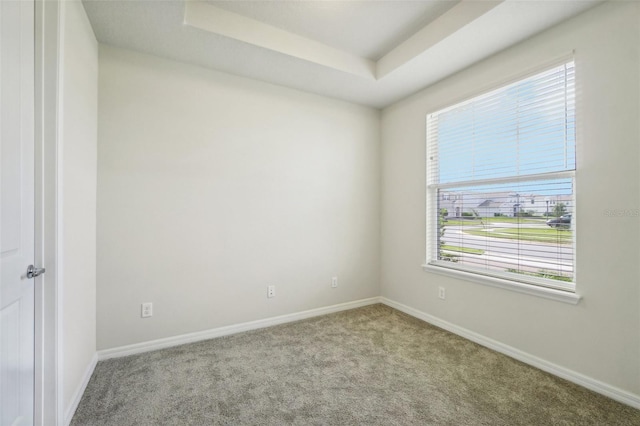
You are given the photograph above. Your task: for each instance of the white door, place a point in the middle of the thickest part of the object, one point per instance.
(16, 211)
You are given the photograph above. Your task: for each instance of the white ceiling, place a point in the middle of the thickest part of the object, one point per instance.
(371, 52)
(368, 29)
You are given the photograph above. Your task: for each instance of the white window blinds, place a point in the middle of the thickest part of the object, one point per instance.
(500, 182)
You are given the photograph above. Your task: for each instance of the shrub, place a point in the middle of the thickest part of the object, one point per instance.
(449, 257)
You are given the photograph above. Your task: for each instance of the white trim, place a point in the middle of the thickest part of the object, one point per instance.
(77, 395)
(612, 392)
(182, 339)
(530, 289)
(602, 388)
(60, 279)
(48, 395)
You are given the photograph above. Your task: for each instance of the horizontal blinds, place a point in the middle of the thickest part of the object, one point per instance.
(500, 177)
(525, 128)
(524, 228)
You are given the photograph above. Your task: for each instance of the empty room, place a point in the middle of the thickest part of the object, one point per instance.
(368, 212)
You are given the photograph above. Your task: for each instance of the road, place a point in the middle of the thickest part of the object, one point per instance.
(500, 253)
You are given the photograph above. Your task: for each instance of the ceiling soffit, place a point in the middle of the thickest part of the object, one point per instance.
(259, 43)
(207, 17)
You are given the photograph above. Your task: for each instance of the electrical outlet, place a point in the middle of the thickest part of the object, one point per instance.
(147, 310)
(334, 282)
(441, 293)
(271, 291)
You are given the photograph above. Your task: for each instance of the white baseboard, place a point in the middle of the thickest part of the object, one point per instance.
(612, 392)
(182, 339)
(77, 396)
(580, 379)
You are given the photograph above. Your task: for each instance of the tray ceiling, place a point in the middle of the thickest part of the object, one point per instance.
(369, 52)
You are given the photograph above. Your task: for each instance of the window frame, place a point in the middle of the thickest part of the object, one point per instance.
(542, 287)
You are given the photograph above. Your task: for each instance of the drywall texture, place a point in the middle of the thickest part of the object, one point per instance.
(600, 337)
(77, 171)
(211, 187)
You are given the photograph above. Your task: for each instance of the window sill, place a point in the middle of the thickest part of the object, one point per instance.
(547, 293)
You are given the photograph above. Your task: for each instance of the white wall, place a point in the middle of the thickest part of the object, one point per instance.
(77, 171)
(600, 337)
(211, 187)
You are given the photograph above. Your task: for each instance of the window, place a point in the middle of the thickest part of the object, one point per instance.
(491, 154)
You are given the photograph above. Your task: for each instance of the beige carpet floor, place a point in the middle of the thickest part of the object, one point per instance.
(368, 366)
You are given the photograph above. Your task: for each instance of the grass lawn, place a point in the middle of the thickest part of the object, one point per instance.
(499, 219)
(561, 236)
(463, 249)
(504, 219)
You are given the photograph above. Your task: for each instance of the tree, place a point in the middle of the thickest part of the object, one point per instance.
(442, 218)
(559, 209)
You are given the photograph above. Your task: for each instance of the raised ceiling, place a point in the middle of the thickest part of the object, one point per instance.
(369, 52)
(369, 29)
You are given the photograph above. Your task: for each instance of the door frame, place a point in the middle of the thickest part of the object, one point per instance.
(48, 402)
